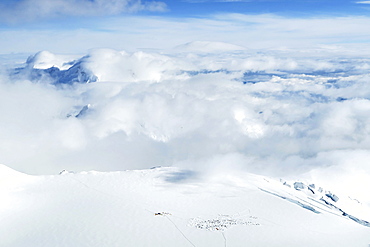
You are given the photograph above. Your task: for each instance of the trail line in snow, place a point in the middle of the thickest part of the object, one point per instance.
(223, 235)
(179, 230)
(154, 213)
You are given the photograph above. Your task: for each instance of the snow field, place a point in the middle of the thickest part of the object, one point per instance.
(150, 208)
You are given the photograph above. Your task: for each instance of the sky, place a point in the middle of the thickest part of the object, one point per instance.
(281, 7)
(75, 26)
(132, 45)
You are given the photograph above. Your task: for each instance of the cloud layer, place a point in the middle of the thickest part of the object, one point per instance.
(257, 32)
(260, 112)
(26, 10)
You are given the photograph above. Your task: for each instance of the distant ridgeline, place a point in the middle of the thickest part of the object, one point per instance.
(139, 66)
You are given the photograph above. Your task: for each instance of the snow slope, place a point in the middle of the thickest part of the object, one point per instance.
(167, 207)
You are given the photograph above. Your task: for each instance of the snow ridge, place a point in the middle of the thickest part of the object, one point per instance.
(316, 200)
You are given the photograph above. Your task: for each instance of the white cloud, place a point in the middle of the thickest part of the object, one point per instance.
(191, 110)
(25, 10)
(333, 35)
(208, 47)
(363, 2)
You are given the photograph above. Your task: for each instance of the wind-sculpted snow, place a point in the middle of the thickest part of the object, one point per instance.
(266, 112)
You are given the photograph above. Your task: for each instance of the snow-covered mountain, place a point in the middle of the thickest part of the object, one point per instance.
(174, 207)
(245, 66)
(56, 69)
(99, 64)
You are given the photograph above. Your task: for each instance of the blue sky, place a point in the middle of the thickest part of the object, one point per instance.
(79, 25)
(281, 7)
(45, 13)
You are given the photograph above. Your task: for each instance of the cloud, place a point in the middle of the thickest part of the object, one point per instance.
(331, 34)
(363, 2)
(259, 112)
(26, 10)
(208, 47)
